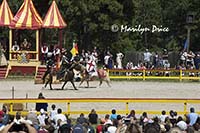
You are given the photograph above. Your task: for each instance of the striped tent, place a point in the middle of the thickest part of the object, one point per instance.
(53, 18)
(6, 15)
(27, 17)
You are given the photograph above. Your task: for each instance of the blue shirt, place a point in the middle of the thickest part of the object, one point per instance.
(113, 116)
(193, 118)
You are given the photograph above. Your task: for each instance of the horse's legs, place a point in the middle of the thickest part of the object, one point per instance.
(64, 85)
(87, 83)
(73, 85)
(100, 83)
(82, 80)
(108, 81)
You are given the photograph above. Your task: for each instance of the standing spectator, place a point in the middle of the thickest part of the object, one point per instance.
(192, 116)
(57, 53)
(40, 106)
(147, 58)
(156, 60)
(108, 62)
(93, 117)
(60, 116)
(190, 58)
(165, 57)
(3, 61)
(41, 118)
(44, 51)
(163, 116)
(53, 112)
(119, 60)
(95, 54)
(113, 116)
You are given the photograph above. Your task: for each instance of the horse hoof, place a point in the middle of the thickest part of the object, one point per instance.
(51, 88)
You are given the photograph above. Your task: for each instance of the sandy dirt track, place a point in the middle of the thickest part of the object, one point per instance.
(119, 89)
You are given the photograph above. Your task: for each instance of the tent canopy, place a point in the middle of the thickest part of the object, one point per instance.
(53, 18)
(6, 15)
(27, 17)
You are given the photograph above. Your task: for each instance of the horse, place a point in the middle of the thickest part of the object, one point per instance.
(68, 76)
(101, 74)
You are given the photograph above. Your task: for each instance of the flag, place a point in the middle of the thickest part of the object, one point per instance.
(74, 50)
(186, 44)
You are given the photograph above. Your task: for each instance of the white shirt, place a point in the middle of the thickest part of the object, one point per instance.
(41, 119)
(59, 116)
(53, 113)
(147, 56)
(106, 58)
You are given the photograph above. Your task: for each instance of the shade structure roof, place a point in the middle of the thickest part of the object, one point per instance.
(6, 15)
(53, 18)
(26, 17)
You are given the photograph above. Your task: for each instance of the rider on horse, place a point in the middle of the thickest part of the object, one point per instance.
(49, 66)
(65, 64)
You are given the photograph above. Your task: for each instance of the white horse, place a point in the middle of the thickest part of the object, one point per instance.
(119, 60)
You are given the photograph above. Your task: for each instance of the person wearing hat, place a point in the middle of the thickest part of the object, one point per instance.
(41, 118)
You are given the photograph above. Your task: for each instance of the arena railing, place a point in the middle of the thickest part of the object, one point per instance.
(171, 74)
(127, 103)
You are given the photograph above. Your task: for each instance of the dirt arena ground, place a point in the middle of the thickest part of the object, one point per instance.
(119, 89)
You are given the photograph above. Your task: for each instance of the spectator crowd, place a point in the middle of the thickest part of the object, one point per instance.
(41, 120)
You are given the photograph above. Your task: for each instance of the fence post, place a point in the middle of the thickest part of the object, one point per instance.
(68, 108)
(11, 108)
(127, 111)
(180, 76)
(185, 107)
(144, 74)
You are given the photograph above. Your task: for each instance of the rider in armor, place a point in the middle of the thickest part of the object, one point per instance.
(49, 66)
(65, 64)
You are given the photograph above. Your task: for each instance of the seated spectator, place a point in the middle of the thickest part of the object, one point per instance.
(182, 125)
(22, 127)
(78, 128)
(15, 47)
(106, 119)
(82, 119)
(32, 116)
(132, 115)
(121, 126)
(112, 128)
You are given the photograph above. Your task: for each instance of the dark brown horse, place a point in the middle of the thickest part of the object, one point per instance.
(68, 76)
(102, 75)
